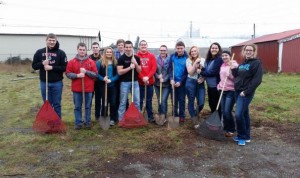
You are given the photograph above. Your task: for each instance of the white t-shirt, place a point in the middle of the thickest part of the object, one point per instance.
(189, 63)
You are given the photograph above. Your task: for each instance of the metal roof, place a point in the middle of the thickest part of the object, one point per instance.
(271, 37)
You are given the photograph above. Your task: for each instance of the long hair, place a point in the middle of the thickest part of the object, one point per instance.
(209, 55)
(190, 54)
(254, 46)
(104, 57)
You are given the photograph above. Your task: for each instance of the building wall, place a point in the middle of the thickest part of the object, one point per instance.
(26, 45)
(291, 56)
(267, 52)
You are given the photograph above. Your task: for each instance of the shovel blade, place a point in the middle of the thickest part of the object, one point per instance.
(173, 122)
(160, 119)
(104, 122)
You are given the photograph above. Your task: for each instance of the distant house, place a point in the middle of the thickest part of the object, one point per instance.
(279, 52)
(24, 41)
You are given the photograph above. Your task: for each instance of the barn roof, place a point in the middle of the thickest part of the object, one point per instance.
(271, 37)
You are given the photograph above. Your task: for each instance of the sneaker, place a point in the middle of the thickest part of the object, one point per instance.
(181, 120)
(228, 134)
(236, 139)
(242, 142)
(112, 123)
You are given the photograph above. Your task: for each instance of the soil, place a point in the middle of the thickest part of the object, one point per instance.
(274, 151)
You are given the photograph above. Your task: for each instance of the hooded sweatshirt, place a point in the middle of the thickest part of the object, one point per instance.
(248, 76)
(148, 65)
(180, 70)
(57, 59)
(73, 68)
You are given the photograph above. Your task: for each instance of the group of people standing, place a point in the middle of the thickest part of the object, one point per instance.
(184, 71)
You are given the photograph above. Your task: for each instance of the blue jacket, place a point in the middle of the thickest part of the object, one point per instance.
(180, 70)
(211, 71)
(111, 73)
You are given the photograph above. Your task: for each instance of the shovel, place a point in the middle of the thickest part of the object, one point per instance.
(144, 103)
(214, 122)
(173, 122)
(104, 120)
(83, 99)
(161, 117)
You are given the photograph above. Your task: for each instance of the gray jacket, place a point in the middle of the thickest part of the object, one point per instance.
(162, 68)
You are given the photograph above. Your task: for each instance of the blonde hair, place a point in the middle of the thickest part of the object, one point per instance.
(104, 57)
(190, 54)
(254, 46)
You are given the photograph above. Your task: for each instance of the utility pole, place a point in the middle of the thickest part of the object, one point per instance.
(254, 30)
(191, 30)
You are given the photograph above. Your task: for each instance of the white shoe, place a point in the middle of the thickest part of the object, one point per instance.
(112, 123)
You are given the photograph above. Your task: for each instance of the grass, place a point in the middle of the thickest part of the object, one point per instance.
(278, 98)
(23, 152)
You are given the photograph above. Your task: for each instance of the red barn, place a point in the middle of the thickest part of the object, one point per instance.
(279, 52)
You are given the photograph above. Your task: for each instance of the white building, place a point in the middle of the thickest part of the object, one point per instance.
(24, 41)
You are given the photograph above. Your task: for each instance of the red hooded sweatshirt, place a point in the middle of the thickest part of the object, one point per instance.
(74, 66)
(148, 65)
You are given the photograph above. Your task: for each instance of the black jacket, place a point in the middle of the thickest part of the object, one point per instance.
(57, 59)
(248, 76)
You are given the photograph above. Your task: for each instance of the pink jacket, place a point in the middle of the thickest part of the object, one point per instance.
(229, 86)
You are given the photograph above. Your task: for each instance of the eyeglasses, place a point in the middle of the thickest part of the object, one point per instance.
(248, 50)
(163, 50)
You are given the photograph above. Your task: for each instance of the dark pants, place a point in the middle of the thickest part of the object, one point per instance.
(149, 108)
(213, 98)
(111, 101)
(98, 89)
(180, 101)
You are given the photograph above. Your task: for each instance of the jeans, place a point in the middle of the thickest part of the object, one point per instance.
(111, 101)
(149, 108)
(98, 90)
(201, 96)
(125, 88)
(194, 90)
(180, 100)
(54, 94)
(77, 98)
(242, 115)
(163, 108)
(227, 103)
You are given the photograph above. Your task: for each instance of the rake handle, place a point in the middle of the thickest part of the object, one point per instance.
(46, 74)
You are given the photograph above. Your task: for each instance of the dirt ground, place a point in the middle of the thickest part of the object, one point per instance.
(274, 151)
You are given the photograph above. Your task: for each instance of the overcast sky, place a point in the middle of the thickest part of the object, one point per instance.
(155, 18)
